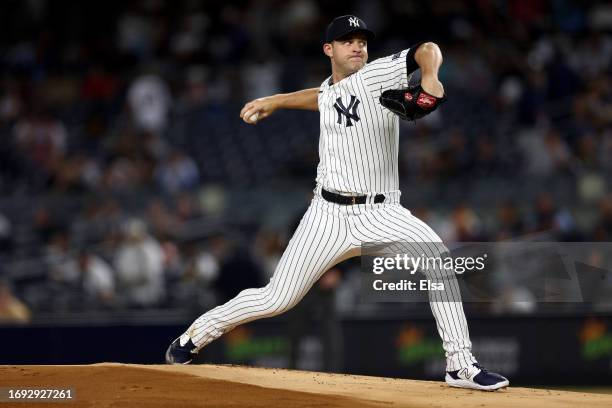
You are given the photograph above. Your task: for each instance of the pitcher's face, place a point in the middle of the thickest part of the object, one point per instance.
(348, 54)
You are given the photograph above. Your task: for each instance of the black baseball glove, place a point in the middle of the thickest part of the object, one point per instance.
(410, 103)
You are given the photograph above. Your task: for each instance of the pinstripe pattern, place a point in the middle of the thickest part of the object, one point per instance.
(394, 223)
(361, 158)
(320, 241)
(358, 150)
(328, 234)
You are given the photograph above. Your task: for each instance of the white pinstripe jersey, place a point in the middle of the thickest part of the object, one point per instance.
(358, 145)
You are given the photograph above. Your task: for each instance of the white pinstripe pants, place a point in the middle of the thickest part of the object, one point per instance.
(328, 234)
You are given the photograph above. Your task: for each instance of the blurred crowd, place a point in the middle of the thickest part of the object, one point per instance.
(121, 136)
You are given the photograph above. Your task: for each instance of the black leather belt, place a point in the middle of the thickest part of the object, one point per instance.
(349, 200)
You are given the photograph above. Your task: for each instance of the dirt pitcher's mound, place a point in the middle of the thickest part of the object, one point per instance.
(119, 385)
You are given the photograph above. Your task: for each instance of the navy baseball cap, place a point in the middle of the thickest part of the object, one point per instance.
(343, 25)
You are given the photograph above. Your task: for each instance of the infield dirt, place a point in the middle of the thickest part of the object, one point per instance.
(121, 385)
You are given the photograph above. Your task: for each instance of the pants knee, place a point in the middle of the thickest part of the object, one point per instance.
(278, 302)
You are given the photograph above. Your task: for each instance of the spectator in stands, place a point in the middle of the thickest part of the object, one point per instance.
(588, 151)
(44, 224)
(467, 225)
(149, 100)
(99, 85)
(6, 234)
(509, 220)
(139, 266)
(126, 174)
(268, 246)
(64, 286)
(595, 104)
(545, 211)
(545, 150)
(187, 208)
(136, 29)
(557, 223)
(603, 226)
(62, 263)
(163, 222)
(98, 280)
(177, 172)
(11, 102)
(76, 174)
(238, 270)
(12, 310)
(486, 160)
(193, 283)
(195, 88)
(42, 138)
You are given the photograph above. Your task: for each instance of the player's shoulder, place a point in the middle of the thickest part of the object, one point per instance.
(325, 84)
(387, 60)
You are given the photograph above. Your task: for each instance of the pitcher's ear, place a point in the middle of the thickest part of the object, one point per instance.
(327, 49)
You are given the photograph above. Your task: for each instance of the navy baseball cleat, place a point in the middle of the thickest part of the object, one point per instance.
(177, 354)
(476, 377)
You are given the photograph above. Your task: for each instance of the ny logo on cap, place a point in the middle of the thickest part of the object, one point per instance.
(353, 22)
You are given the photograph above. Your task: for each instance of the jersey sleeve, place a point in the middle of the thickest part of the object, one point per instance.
(388, 72)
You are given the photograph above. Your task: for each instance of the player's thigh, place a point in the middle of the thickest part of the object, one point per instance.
(320, 242)
(401, 233)
(400, 230)
(393, 223)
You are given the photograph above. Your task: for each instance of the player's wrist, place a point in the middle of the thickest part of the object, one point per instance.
(432, 85)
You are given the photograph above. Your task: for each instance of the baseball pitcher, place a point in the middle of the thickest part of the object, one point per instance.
(357, 197)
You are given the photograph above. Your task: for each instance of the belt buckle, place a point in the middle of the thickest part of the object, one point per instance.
(354, 200)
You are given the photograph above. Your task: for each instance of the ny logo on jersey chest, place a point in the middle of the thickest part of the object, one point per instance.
(350, 111)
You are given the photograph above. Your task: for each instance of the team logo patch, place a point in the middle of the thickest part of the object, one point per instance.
(425, 101)
(349, 112)
(408, 96)
(353, 22)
